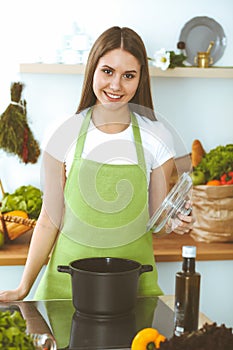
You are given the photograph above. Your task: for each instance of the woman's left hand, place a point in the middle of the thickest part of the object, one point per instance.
(182, 223)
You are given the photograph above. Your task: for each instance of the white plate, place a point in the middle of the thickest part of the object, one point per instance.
(197, 34)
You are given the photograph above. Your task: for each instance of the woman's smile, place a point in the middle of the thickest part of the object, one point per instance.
(112, 96)
(116, 77)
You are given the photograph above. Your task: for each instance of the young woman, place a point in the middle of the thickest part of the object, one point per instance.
(106, 170)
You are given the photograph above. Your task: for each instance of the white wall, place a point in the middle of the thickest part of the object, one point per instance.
(30, 26)
(194, 108)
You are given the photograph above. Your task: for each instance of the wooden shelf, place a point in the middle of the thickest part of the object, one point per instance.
(193, 72)
(52, 68)
(185, 72)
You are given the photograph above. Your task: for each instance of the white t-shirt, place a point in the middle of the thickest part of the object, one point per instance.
(116, 148)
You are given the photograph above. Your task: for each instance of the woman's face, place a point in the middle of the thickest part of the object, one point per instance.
(116, 77)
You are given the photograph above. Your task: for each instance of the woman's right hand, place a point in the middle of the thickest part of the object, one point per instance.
(12, 295)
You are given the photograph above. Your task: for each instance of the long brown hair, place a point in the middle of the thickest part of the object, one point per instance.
(111, 39)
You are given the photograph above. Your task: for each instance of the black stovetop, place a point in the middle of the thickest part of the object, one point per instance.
(74, 331)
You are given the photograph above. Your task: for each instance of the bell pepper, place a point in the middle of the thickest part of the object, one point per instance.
(147, 339)
(20, 213)
(227, 178)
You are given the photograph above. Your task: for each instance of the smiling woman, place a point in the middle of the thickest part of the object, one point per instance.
(129, 46)
(120, 162)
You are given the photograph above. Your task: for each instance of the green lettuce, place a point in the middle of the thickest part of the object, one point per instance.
(216, 162)
(26, 198)
(13, 334)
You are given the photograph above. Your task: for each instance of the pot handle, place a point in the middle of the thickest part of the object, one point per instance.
(63, 268)
(145, 268)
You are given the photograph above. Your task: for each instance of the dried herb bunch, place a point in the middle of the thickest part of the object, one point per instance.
(15, 134)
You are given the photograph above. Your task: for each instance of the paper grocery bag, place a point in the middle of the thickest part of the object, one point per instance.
(213, 213)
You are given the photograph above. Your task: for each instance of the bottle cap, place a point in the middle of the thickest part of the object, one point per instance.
(189, 251)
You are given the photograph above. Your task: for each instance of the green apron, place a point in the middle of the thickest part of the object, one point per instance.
(106, 212)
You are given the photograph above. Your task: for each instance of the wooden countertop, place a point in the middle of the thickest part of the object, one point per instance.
(166, 249)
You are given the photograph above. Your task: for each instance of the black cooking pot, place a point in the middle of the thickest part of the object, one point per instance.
(104, 286)
(102, 332)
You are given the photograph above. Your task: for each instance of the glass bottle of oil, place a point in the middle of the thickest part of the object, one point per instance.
(187, 293)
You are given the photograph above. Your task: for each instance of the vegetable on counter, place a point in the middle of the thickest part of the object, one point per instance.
(147, 339)
(214, 183)
(227, 179)
(14, 335)
(198, 177)
(215, 165)
(13, 332)
(27, 199)
(20, 213)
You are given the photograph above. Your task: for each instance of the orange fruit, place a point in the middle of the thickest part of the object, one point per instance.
(214, 183)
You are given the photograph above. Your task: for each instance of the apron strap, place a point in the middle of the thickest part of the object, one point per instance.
(138, 142)
(136, 133)
(82, 134)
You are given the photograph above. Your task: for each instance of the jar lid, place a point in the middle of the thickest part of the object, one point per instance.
(189, 251)
(173, 204)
